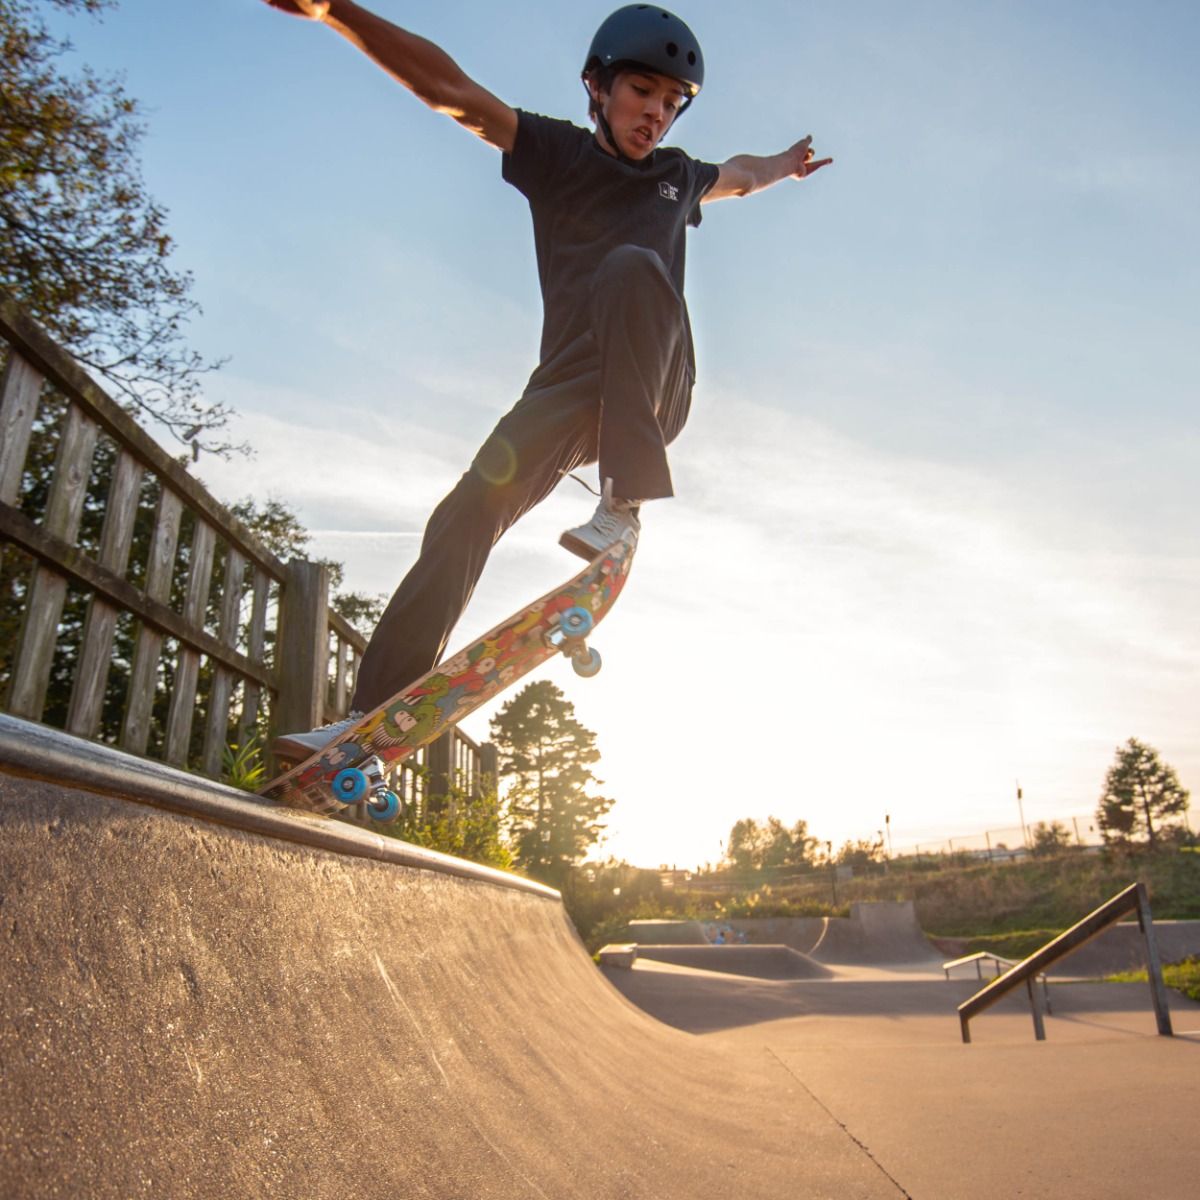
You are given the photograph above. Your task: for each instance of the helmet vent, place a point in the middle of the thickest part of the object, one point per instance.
(672, 49)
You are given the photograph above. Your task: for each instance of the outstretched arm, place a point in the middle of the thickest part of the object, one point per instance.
(425, 69)
(747, 173)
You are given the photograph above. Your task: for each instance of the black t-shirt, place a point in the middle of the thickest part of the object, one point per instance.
(586, 202)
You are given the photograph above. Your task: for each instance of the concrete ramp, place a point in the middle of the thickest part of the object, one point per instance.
(203, 997)
(876, 932)
(800, 933)
(669, 933)
(1122, 948)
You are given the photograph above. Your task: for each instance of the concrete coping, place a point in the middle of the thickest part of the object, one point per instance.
(40, 752)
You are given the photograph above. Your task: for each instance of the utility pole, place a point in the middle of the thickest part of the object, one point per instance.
(832, 871)
(1021, 810)
(887, 823)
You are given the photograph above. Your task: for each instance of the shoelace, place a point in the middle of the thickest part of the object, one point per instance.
(349, 718)
(608, 520)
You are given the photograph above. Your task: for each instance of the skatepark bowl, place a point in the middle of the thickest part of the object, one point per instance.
(204, 995)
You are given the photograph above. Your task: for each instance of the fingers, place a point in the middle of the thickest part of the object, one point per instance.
(808, 162)
(314, 10)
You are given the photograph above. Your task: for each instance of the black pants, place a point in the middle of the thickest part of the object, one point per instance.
(617, 394)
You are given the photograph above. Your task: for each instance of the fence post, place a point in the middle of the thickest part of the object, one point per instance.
(303, 649)
(439, 760)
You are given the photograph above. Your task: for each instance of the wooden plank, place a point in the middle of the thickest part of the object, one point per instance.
(91, 676)
(347, 632)
(19, 392)
(340, 699)
(187, 666)
(31, 343)
(72, 470)
(48, 589)
(224, 679)
(75, 565)
(143, 677)
(255, 648)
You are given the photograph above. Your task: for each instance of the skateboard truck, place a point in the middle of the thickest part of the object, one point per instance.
(568, 636)
(367, 782)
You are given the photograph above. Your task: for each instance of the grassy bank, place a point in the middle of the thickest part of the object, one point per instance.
(1010, 908)
(977, 899)
(1182, 975)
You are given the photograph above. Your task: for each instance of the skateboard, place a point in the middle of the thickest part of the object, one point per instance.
(353, 767)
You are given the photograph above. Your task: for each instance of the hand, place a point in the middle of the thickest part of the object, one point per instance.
(310, 10)
(804, 155)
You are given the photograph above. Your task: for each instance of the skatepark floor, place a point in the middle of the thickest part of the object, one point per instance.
(1104, 1108)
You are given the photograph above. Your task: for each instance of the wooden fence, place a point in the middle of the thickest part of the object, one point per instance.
(136, 609)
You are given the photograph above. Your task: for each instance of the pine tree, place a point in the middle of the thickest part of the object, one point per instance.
(1139, 790)
(547, 754)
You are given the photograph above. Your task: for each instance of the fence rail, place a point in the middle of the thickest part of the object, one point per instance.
(138, 610)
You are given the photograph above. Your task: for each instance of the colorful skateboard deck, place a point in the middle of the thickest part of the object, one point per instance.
(344, 772)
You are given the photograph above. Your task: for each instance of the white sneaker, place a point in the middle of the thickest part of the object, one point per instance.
(288, 745)
(613, 521)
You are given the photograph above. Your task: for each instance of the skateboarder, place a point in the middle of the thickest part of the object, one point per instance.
(610, 210)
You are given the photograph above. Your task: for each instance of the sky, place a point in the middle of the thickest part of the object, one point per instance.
(936, 526)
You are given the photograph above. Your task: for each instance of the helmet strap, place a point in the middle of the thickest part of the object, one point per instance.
(606, 129)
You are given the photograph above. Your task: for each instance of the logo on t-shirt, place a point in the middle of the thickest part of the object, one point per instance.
(668, 191)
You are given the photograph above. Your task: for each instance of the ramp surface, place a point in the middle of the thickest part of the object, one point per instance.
(876, 932)
(190, 1009)
(202, 997)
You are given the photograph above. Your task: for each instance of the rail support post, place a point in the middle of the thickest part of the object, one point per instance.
(1158, 989)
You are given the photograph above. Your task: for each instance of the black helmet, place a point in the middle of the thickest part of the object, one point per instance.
(648, 36)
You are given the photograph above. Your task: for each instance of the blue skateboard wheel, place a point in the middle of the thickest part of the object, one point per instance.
(350, 785)
(384, 807)
(576, 622)
(588, 664)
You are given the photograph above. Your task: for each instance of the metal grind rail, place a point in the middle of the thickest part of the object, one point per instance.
(1132, 899)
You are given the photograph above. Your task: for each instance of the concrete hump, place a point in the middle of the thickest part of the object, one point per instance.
(800, 933)
(757, 962)
(875, 932)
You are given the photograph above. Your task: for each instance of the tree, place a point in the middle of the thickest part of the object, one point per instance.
(1139, 790)
(547, 753)
(860, 855)
(83, 247)
(755, 845)
(1049, 839)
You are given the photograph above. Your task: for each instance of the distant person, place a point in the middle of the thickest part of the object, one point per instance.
(610, 210)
